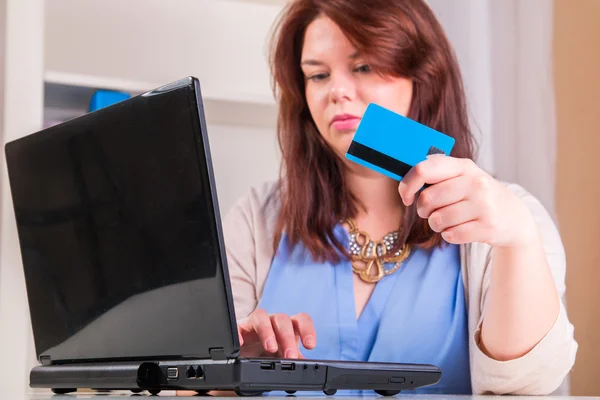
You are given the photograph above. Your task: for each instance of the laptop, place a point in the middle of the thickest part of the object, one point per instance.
(126, 272)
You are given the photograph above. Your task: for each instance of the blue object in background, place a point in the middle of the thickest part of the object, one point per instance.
(105, 98)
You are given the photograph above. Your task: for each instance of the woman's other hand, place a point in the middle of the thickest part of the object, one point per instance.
(275, 335)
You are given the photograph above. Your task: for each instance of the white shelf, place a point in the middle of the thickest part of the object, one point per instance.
(68, 96)
(97, 82)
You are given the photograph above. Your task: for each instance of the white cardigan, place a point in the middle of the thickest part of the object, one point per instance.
(248, 232)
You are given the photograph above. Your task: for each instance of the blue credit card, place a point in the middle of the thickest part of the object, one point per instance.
(392, 144)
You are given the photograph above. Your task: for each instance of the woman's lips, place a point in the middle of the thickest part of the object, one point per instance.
(346, 123)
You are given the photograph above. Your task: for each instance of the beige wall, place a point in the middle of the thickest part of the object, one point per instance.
(577, 79)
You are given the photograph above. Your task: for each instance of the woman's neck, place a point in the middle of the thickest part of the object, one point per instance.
(383, 208)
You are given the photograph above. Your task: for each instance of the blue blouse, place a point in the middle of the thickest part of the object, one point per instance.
(414, 315)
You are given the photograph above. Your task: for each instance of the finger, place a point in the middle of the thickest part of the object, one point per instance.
(286, 337)
(468, 232)
(261, 323)
(443, 194)
(240, 337)
(453, 215)
(304, 326)
(246, 331)
(433, 170)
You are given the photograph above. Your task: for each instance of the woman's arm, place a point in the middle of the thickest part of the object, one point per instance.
(522, 301)
(541, 370)
(466, 205)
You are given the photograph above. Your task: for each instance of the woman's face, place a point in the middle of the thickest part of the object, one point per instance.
(340, 85)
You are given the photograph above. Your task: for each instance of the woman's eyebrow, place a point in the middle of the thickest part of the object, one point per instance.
(314, 62)
(311, 62)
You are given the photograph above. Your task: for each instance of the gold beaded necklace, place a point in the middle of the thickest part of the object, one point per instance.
(374, 254)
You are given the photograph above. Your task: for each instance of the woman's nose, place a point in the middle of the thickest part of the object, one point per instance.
(342, 89)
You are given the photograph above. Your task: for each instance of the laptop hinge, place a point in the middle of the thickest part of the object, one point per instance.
(217, 353)
(46, 360)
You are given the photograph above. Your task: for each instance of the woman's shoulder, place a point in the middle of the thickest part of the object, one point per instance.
(522, 193)
(252, 220)
(248, 231)
(260, 201)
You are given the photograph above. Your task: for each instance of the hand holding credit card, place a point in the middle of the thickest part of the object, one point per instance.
(392, 144)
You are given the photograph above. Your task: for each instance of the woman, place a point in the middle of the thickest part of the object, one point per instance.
(472, 275)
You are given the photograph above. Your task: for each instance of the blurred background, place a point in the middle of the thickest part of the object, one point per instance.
(530, 69)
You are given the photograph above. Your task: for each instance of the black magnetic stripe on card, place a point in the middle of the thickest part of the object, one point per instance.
(379, 159)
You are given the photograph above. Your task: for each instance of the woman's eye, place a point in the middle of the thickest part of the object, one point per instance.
(363, 68)
(318, 77)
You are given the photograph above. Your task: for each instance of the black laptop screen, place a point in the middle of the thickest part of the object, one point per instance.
(118, 233)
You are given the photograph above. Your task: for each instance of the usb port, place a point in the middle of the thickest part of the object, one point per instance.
(288, 366)
(267, 365)
(172, 373)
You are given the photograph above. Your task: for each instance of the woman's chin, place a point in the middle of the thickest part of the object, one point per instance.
(343, 143)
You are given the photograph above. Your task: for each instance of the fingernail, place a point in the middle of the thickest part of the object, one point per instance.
(310, 340)
(291, 354)
(271, 345)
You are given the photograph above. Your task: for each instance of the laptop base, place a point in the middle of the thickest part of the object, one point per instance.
(249, 377)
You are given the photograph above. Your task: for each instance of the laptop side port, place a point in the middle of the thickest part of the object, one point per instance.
(288, 366)
(172, 373)
(194, 372)
(190, 373)
(267, 365)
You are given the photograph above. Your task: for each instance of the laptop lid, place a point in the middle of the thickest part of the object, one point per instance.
(120, 234)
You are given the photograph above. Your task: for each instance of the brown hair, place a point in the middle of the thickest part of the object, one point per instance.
(397, 38)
